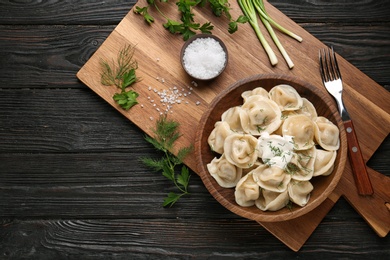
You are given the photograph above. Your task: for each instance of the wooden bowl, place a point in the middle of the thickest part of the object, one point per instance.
(203, 36)
(323, 185)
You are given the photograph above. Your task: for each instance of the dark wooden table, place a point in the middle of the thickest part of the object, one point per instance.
(71, 184)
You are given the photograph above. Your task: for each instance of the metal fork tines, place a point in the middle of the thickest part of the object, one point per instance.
(331, 78)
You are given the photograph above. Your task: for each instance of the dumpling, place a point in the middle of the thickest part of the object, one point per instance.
(283, 117)
(327, 134)
(271, 178)
(302, 129)
(254, 166)
(272, 201)
(218, 135)
(324, 162)
(232, 117)
(286, 97)
(247, 191)
(226, 174)
(307, 109)
(257, 91)
(240, 150)
(261, 115)
(299, 192)
(301, 166)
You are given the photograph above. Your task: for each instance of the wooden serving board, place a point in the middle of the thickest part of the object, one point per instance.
(157, 53)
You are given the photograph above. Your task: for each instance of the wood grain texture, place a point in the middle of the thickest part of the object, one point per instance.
(360, 174)
(162, 48)
(58, 12)
(112, 12)
(128, 238)
(67, 189)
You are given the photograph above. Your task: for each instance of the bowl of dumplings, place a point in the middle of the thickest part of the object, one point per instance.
(271, 147)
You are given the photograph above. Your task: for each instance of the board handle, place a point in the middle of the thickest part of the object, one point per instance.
(359, 169)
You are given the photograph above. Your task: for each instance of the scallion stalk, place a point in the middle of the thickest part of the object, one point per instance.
(263, 13)
(258, 4)
(248, 9)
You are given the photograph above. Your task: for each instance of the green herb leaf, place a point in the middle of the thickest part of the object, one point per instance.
(173, 26)
(127, 99)
(184, 178)
(156, 165)
(233, 25)
(129, 78)
(155, 143)
(206, 27)
(187, 33)
(168, 171)
(183, 152)
(187, 26)
(122, 75)
(166, 133)
(220, 7)
(171, 199)
(242, 19)
(144, 12)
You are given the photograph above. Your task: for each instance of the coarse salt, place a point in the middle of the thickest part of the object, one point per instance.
(204, 58)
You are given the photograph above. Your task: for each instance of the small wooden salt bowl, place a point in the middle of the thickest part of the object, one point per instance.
(192, 39)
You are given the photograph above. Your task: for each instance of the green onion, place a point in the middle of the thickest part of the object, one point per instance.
(259, 5)
(248, 9)
(264, 14)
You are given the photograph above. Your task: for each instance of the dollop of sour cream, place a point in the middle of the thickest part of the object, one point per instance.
(275, 150)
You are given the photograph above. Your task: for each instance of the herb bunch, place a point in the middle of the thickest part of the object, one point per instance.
(166, 134)
(122, 75)
(187, 26)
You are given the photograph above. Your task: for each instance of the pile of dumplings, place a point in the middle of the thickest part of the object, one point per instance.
(280, 114)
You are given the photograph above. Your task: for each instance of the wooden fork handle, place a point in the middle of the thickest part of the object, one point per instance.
(359, 170)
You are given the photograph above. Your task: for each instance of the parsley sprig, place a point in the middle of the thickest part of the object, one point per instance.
(122, 75)
(187, 26)
(166, 133)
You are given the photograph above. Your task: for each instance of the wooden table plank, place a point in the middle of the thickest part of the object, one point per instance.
(154, 43)
(73, 155)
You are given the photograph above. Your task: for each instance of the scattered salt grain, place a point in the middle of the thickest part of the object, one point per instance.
(204, 58)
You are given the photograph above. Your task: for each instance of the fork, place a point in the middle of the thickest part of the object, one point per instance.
(331, 77)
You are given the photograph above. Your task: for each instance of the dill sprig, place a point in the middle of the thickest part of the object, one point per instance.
(122, 75)
(166, 133)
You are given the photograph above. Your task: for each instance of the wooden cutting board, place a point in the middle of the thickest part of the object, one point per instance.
(157, 54)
